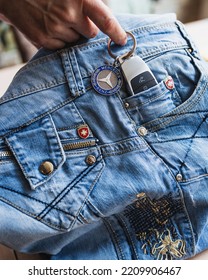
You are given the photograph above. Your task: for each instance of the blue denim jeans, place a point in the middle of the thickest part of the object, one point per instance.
(89, 176)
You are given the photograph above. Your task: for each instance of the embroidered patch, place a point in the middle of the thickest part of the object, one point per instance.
(151, 222)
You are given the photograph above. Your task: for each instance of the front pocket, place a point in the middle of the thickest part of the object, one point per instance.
(152, 103)
(56, 198)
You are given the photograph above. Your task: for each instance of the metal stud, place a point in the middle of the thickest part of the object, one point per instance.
(126, 105)
(46, 168)
(179, 177)
(142, 131)
(90, 160)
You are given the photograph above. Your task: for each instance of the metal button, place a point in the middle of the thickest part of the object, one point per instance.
(126, 105)
(142, 131)
(46, 168)
(90, 159)
(179, 177)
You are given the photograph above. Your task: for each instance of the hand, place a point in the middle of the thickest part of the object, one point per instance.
(53, 23)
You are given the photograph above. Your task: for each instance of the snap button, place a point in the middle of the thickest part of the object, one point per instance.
(179, 177)
(91, 159)
(46, 168)
(142, 131)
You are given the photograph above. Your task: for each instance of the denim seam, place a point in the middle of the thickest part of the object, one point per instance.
(30, 214)
(82, 219)
(121, 152)
(35, 62)
(126, 230)
(66, 190)
(192, 179)
(126, 111)
(48, 112)
(34, 199)
(67, 128)
(137, 145)
(97, 211)
(181, 196)
(174, 114)
(89, 191)
(59, 150)
(151, 99)
(163, 48)
(115, 239)
(33, 90)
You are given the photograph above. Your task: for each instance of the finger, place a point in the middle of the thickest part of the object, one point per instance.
(86, 27)
(60, 31)
(52, 44)
(101, 15)
(72, 16)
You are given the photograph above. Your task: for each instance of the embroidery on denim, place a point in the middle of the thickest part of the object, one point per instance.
(151, 222)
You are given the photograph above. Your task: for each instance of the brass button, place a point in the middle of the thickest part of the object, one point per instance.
(90, 159)
(46, 168)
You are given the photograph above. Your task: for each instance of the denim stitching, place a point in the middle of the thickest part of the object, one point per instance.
(33, 198)
(128, 235)
(115, 239)
(174, 114)
(48, 112)
(59, 150)
(33, 90)
(31, 214)
(151, 220)
(66, 190)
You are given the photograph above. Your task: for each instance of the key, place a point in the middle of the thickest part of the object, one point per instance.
(137, 74)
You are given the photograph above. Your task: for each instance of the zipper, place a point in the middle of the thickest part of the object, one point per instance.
(66, 147)
(79, 145)
(5, 154)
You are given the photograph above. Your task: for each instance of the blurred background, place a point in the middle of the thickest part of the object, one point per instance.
(15, 49)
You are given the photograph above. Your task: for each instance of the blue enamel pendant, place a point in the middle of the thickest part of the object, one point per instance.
(106, 80)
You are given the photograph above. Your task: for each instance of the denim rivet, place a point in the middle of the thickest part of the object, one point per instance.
(46, 168)
(142, 131)
(179, 177)
(90, 159)
(126, 105)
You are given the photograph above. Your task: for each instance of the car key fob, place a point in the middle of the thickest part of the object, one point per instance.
(137, 74)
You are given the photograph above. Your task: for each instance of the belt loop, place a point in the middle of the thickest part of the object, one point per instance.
(72, 72)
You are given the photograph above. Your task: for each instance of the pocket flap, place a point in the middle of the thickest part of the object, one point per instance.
(38, 150)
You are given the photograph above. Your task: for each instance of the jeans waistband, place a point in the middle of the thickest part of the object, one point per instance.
(72, 68)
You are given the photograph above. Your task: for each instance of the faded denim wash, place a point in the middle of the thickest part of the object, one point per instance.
(136, 185)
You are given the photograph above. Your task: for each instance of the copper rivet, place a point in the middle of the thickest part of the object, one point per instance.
(46, 168)
(90, 159)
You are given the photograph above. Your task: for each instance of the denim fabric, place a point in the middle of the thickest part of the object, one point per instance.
(136, 187)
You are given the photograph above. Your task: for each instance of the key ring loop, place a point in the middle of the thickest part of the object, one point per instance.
(125, 55)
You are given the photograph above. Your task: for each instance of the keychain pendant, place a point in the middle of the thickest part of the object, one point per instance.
(106, 80)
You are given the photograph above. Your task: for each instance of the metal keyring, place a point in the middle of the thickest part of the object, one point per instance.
(125, 55)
